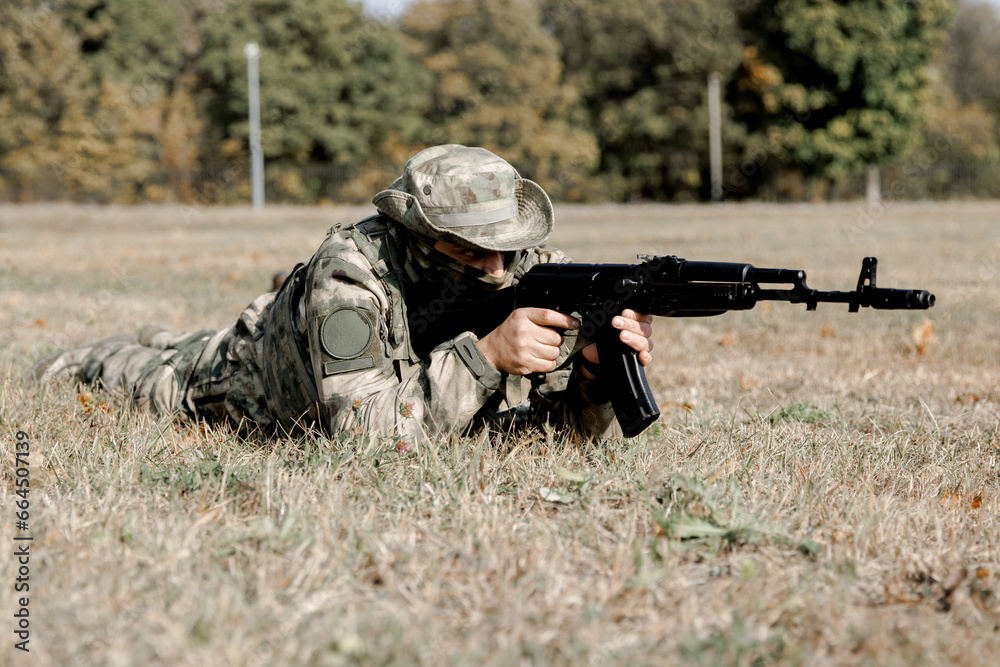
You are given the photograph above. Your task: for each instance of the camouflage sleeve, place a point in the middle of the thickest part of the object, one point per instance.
(565, 398)
(360, 385)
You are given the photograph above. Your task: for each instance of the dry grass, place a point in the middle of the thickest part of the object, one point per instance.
(821, 489)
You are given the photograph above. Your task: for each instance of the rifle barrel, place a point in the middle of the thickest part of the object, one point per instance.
(878, 298)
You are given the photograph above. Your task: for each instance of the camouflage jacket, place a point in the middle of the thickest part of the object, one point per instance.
(337, 351)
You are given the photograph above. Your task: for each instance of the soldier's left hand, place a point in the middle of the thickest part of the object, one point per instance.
(635, 330)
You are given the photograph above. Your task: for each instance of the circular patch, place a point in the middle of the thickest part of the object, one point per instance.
(345, 333)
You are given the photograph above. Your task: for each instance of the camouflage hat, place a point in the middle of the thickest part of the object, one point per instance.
(469, 197)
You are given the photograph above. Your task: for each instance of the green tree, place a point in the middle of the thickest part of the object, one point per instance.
(137, 42)
(641, 67)
(498, 84)
(827, 87)
(336, 87)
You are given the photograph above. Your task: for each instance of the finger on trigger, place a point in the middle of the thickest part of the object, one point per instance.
(553, 318)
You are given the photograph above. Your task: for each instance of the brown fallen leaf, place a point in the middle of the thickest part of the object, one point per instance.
(968, 399)
(958, 501)
(923, 335)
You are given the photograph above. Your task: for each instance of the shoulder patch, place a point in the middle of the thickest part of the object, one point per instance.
(346, 333)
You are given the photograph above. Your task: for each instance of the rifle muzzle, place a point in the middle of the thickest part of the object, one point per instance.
(901, 299)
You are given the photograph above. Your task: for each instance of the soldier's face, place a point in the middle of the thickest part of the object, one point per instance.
(487, 261)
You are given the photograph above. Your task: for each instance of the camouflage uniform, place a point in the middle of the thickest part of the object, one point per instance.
(335, 347)
(209, 374)
(283, 364)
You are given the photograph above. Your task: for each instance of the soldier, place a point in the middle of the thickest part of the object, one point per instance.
(354, 340)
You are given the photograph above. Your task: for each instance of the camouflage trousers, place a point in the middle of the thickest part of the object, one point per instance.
(212, 375)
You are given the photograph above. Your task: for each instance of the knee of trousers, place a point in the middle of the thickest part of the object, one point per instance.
(158, 390)
(148, 374)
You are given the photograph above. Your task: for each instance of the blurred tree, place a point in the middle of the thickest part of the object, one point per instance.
(953, 132)
(132, 41)
(973, 55)
(826, 87)
(336, 87)
(107, 146)
(963, 123)
(129, 126)
(498, 84)
(641, 67)
(40, 79)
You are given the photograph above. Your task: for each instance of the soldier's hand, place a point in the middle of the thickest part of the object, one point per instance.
(526, 342)
(636, 329)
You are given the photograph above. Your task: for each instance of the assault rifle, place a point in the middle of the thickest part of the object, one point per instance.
(667, 286)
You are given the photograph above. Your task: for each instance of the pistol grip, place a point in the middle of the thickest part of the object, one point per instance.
(631, 398)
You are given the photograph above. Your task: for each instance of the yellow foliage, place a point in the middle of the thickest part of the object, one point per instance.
(760, 76)
(155, 193)
(232, 146)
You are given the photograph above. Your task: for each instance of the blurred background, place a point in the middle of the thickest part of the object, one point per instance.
(132, 101)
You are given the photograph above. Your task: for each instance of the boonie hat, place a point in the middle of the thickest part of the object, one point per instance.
(469, 197)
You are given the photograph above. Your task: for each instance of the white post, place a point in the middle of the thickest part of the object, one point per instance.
(252, 52)
(873, 189)
(715, 135)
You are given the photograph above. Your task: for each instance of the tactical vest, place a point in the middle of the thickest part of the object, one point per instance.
(289, 382)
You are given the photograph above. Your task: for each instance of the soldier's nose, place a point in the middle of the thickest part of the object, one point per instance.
(493, 264)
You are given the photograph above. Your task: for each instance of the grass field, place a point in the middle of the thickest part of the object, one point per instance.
(821, 489)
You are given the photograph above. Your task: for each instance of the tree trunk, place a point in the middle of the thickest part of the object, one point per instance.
(873, 192)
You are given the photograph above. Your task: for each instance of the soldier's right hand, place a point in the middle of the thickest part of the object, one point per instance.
(526, 342)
